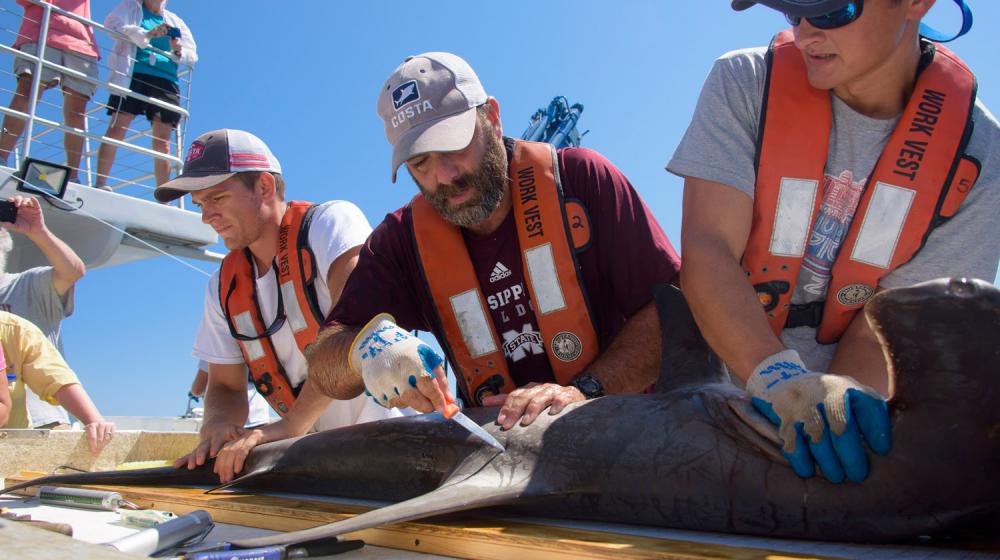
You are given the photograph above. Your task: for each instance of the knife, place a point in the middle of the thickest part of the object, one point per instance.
(452, 412)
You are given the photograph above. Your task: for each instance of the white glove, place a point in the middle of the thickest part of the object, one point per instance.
(821, 417)
(390, 359)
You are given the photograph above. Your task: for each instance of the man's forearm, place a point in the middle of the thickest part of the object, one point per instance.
(632, 361)
(308, 407)
(859, 355)
(329, 363)
(224, 406)
(726, 309)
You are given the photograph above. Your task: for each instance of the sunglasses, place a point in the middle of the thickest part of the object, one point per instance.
(279, 317)
(837, 18)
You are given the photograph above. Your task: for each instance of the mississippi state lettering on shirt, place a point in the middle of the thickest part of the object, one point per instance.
(496, 259)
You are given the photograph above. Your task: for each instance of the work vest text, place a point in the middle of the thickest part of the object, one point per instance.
(924, 121)
(527, 191)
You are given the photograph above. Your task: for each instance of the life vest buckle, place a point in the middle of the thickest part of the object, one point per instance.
(804, 315)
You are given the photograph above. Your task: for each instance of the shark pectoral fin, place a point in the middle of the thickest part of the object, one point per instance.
(455, 497)
(739, 416)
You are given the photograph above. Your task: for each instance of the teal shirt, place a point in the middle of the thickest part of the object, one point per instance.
(152, 63)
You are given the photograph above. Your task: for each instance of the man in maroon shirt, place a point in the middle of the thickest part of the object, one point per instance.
(581, 323)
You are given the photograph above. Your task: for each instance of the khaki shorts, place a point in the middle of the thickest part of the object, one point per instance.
(74, 61)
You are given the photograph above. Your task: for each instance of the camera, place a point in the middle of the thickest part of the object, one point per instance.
(8, 212)
(174, 32)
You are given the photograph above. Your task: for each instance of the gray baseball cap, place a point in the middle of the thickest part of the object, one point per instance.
(801, 8)
(428, 104)
(216, 156)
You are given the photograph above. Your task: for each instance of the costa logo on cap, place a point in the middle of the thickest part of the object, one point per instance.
(405, 93)
(196, 150)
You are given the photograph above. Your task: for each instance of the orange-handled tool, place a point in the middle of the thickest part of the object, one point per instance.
(452, 412)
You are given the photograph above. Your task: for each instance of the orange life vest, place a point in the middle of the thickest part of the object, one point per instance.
(919, 181)
(550, 231)
(295, 270)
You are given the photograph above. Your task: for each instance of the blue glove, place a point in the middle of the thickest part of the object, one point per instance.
(390, 359)
(821, 417)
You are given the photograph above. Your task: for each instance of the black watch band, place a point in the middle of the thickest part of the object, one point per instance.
(589, 385)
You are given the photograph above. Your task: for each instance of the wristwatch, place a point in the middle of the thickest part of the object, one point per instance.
(589, 385)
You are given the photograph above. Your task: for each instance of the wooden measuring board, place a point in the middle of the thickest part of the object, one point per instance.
(465, 535)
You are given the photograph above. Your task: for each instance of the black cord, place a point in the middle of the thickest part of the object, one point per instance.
(49, 197)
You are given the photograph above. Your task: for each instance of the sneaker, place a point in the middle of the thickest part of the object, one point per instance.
(104, 188)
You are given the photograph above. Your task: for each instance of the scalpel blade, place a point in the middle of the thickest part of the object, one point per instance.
(477, 430)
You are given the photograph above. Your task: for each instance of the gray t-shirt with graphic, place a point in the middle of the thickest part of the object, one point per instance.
(720, 145)
(32, 295)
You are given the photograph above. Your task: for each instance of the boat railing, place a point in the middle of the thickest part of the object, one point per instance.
(132, 171)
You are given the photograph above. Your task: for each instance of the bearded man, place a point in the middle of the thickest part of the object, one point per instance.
(534, 268)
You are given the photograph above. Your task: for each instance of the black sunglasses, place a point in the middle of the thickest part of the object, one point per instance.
(279, 317)
(837, 18)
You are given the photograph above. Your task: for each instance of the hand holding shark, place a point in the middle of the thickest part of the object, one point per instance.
(821, 417)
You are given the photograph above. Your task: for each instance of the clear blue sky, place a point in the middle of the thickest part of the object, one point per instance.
(304, 75)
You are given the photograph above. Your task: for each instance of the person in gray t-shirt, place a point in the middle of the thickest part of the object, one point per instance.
(868, 60)
(42, 295)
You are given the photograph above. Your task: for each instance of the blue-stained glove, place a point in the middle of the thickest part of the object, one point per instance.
(821, 417)
(390, 359)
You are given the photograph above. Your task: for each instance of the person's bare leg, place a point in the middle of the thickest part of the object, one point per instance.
(74, 107)
(117, 128)
(13, 126)
(161, 143)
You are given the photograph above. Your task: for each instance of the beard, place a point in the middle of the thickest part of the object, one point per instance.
(487, 183)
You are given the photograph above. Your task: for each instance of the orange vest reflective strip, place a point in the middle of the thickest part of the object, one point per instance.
(296, 271)
(546, 235)
(919, 182)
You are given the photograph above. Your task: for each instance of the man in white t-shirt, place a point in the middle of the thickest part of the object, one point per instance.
(309, 250)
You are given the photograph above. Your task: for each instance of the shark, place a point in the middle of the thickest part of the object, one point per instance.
(693, 455)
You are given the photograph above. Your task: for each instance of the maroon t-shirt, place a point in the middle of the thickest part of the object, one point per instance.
(628, 255)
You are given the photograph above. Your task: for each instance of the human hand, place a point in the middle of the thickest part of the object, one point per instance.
(158, 31)
(526, 403)
(212, 440)
(29, 216)
(821, 417)
(99, 434)
(229, 460)
(399, 369)
(175, 45)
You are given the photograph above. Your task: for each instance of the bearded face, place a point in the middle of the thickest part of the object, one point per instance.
(487, 183)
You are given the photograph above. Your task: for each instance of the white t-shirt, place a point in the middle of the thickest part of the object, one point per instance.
(336, 227)
(259, 411)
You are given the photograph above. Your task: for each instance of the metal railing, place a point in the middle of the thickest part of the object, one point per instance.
(37, 127)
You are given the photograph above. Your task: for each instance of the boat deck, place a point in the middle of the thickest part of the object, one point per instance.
(486, 534)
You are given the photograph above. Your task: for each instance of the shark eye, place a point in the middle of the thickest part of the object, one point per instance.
(962, 287)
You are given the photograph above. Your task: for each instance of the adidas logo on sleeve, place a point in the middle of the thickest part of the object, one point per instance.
(499, 272)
